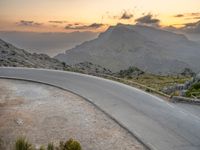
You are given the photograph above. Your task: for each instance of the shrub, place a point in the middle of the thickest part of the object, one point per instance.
(72, 145)
(42, 148)
(194, 90)
(50, 146)
(1, 144)
(196, 86)
(22, 144)
(147, 90)
(64, 64)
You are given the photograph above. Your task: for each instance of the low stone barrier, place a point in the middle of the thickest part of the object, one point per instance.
(180, 99)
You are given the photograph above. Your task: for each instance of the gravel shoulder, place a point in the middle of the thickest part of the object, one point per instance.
(45, 114)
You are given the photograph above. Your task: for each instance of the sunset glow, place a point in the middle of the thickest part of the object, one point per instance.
(91, 15)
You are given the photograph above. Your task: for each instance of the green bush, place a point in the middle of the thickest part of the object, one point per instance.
(50, 146)
(22, 144)
(72, 145)
(196, 86)
(194, 90)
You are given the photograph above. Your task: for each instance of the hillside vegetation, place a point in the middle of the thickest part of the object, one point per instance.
(194, 91)
(157, 82)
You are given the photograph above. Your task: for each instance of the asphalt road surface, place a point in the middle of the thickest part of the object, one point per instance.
(157, 123)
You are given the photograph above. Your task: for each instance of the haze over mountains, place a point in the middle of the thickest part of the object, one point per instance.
(47, 43)
(150, 49)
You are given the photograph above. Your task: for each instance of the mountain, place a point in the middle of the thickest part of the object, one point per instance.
(11, 56)
(15, 57)
(47, 43)
(150, 49)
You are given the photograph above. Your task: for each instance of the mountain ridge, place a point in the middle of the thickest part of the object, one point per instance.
(150, 49)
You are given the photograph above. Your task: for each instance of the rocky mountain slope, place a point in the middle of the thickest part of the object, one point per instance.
(12, 56)
(152, 50)
(15, 57)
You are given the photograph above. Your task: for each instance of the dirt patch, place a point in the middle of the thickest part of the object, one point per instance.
(47, 114)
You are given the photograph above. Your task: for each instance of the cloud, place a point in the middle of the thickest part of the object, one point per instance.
(78, 26)
(57, 22)
(148, 19)
(179, 15)
(126, 15)
(195, 15)
(96, 25)
(193, 27)
(28, 23)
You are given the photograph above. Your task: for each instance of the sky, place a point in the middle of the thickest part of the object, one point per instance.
(93, 15)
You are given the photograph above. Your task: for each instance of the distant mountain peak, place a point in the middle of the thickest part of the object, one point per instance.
(148, 48)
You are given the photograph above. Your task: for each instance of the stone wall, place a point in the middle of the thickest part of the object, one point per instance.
(181, 99)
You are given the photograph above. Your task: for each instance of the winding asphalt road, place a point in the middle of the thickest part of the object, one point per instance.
(157, 123)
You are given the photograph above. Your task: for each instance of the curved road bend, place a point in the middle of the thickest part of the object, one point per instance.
(157, 123)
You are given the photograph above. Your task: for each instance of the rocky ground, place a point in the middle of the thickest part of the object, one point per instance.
(43, 114)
